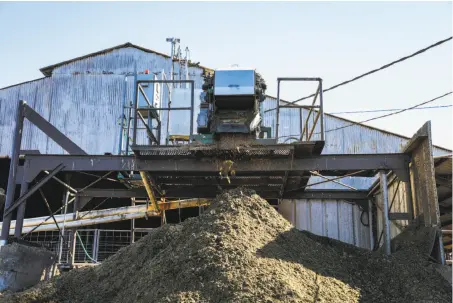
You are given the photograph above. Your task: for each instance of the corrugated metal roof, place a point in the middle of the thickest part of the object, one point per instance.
(30, 81)
(47, 71)
(443, 165)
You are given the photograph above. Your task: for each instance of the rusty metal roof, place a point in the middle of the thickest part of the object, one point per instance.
(47, 71)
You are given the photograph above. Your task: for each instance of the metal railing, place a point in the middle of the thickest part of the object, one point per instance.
(316, 110)
(91, 245)
(153, 111)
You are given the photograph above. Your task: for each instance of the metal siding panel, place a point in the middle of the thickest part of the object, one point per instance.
(9, 100)
(331, 219)
(87, 109)
(317, 217)
(345, 220)
(303, 213)
(286, 209)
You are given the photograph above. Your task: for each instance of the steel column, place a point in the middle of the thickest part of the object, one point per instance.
(21, 211)
(278, 110)
(385, 212)
(370, 223)
(11, 187)
(410, 206)
(321, 109)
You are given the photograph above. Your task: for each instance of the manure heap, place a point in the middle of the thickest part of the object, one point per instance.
(241, 250)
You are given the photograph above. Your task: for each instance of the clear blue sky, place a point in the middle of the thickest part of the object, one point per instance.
(331, 40)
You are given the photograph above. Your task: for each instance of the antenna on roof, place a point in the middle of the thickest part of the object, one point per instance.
(176, 56)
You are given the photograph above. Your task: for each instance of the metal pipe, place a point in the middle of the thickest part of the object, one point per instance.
(314, 125)
(321, 109)
(330, 180)
(50, 212)
(60, 252)
(132, 223)
(21, 210)
(385, 212)
(88, 222)
(301, 123)
(278, 109)
(61, 182)
(11, 187)
(120, 145)
(334, 181)
(95, 181)
(43, 222)
(134, 130)
(85, 215)
(370, 223)
(72, 244)
(192, 105)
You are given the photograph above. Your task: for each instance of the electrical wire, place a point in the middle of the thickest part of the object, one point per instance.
(388, 110)
(382, 116)
(388, 115)
(378, 69)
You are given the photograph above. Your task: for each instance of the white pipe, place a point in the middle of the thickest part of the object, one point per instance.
(88, 222)
(82, 215)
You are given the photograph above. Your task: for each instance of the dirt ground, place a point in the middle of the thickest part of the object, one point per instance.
(241, 250)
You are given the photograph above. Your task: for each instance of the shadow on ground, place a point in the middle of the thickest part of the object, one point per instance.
(404, 277)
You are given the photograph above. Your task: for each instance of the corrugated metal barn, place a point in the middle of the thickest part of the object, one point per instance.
(84, 98)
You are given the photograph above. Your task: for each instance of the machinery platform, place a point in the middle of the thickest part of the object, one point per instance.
(206, 184)
(295, 150)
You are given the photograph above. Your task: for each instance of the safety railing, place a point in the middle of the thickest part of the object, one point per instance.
(315, 111)
(153, 112)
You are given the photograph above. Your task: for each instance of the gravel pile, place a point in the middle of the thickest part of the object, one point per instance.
(242, 250)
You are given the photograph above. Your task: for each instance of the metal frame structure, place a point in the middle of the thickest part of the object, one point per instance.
(152, 111)
(304, 127)
(272, 173)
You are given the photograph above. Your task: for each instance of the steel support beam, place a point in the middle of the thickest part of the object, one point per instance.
(11, 187)
(21, 211)
(52, 132)
(385, 212)
(32, 190)
(329, 165)
(204, 192)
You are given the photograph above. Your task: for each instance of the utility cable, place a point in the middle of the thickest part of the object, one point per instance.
(388, 115)
(378, 69)
(379, 117)
(387, 110)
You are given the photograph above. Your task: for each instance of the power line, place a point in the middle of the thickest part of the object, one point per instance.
(388, 110)
(382, 116)
(378, 69)
(391, 114)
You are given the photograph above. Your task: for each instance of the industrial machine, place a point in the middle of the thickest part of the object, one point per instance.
(231, 104)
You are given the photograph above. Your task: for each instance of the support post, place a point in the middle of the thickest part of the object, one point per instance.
(278, 110)
(410, 206)
(11, 188)
(96, 245)
(60, 252)
(73, 239)
(385, 211)
(321, 110)
(370, 223)
(21, 211)
(132, 223)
